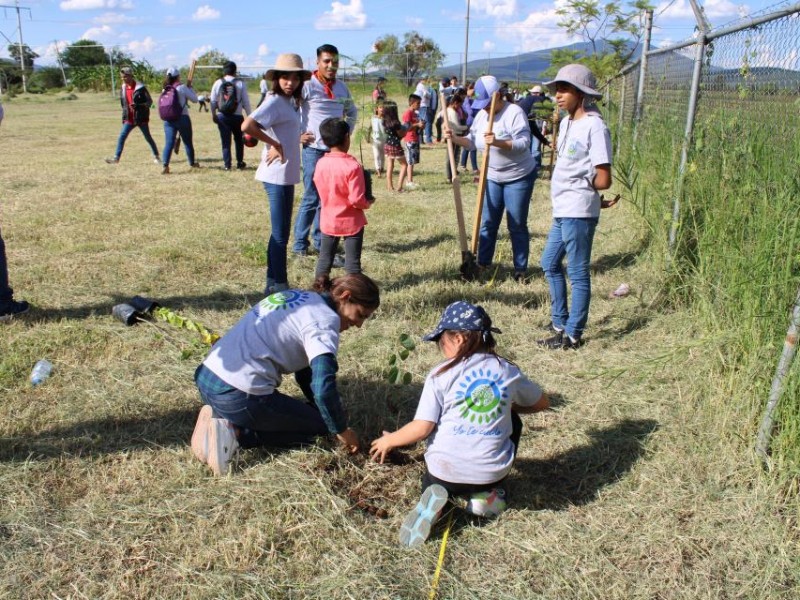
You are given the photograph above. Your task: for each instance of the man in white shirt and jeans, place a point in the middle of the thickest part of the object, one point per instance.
(230, 123)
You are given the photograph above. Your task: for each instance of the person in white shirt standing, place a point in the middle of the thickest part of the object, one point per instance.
(324, 97)
(228, 99)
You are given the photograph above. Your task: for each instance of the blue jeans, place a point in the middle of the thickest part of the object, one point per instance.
(281, 199)
(275, 420)
(308, 211)
(6, 293)
(183, 125)
(473, 159)
(513, 197)
(231, 125)
(123, 135)
(427, 130)
(571, 238)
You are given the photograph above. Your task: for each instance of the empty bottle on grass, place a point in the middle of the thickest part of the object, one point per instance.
(41, 371)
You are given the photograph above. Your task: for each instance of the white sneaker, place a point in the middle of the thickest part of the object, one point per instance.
(222, 445)
(202, 432)
(416, 527)
(410, 186)
(487, 504)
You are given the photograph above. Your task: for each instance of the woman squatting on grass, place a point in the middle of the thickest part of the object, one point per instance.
(583, 167)
(468, 412)
(276, 122)
(294, 331)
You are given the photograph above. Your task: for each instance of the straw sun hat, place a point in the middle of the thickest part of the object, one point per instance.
(289, 63)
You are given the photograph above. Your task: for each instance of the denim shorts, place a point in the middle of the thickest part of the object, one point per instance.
(412, 153)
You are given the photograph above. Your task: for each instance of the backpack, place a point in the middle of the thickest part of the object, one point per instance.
(169, 104)
(227, 103)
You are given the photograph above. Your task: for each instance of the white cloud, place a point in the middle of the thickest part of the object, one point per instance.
(98, 33)
(682, 9)
(144, 46)
(96, 4)
(495, 8)
(49, 53)
(169, 2)
(206, 13)
(537, 31)
(489, 45)
(343, 16)
(415, 22)
(263, 50)
(112, 18)
(200, 50)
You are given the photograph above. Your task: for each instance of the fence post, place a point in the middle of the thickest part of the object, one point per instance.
(784, 364)
(687, 140)
(637, 109)
(620, 120)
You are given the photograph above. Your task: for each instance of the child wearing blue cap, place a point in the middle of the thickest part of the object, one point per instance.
(469, 413)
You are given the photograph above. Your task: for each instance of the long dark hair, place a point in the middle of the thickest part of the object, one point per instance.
(475, 342)
(391, 120)
(276, 87)
(363, 291)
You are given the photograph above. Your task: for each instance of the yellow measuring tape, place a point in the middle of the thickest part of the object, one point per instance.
(435, 584)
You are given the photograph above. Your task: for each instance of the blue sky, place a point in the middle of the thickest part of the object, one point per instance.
(253, 32)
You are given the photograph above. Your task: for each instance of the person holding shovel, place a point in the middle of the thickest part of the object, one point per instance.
(510, 176)
(295, 331)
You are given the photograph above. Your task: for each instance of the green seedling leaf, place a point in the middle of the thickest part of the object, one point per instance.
(407, 342)
(392, 359)
(393, 373)
(403, 354)
(406, 378)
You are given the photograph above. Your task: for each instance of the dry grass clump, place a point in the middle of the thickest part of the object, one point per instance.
(638, 484)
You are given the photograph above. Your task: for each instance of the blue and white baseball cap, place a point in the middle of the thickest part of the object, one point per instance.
(485, 87)
(462, 316)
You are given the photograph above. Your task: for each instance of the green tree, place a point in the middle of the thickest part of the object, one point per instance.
(204, 78)
(410, 58)
(84, 53)
(613, 30)
(30, 55)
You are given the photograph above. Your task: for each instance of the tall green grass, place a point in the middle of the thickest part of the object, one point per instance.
(736, 262)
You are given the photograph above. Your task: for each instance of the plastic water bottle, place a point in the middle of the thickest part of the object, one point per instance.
(41, 371)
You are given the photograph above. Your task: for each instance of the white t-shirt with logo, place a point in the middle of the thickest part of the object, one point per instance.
(471, 405)
(280, 119)
(282, 334)
(510, 123)
(582, 145)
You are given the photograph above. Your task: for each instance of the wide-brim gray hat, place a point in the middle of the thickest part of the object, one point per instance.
(578, 76)
(289, 63)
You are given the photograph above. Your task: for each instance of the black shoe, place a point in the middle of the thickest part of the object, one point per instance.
(226, 168)
(519, 276)
(241, 165)
(552, 328)
(560, 341)
(13, 308)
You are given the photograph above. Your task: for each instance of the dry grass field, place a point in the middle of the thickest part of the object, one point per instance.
(640, 483)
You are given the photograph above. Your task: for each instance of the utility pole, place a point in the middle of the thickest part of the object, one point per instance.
(60, 64)
(18, 8)
(466, 51)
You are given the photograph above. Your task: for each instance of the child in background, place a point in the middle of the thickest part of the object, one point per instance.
(469, 412)
(583, 169)
(413, 125)
(339, 179)
(393, 150)
(378, 138)
(456, 122)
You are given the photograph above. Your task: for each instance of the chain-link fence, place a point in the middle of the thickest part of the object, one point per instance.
(725, 109)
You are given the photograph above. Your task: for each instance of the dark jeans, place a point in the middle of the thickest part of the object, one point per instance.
(457, 155)
(6, 293)
(281, 199)
(183, 125)
(467, 489)
(275, 420)
(307, 219)
(352, 253)
(231, 125)
(126, 130)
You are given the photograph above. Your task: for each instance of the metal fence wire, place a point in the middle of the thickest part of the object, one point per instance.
(749, 78)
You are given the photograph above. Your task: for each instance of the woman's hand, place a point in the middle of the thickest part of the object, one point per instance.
(275, 152)
(349, 440)
(381, 447)
(488, 139)
(306, 138)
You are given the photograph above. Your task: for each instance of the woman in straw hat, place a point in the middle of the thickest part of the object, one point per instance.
(276, 122)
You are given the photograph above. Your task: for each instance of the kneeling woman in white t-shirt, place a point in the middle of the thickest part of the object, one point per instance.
(294, 331)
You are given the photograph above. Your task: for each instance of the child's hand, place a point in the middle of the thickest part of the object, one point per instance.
(380, 448)
(350, 440)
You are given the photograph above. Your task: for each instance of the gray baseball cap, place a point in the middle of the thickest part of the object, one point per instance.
(576, 75)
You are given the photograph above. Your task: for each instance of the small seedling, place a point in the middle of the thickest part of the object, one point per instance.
(181, 322)
(395, 374)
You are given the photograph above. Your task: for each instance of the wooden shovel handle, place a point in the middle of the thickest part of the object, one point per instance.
(476, 223)
(190, 76)
(451, 155)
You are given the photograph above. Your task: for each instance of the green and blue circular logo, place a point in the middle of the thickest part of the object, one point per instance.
(284, 300)
(482, 396)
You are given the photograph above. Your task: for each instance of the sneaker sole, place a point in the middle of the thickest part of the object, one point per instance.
(213, 459)
(416, 527)
(201, 434)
